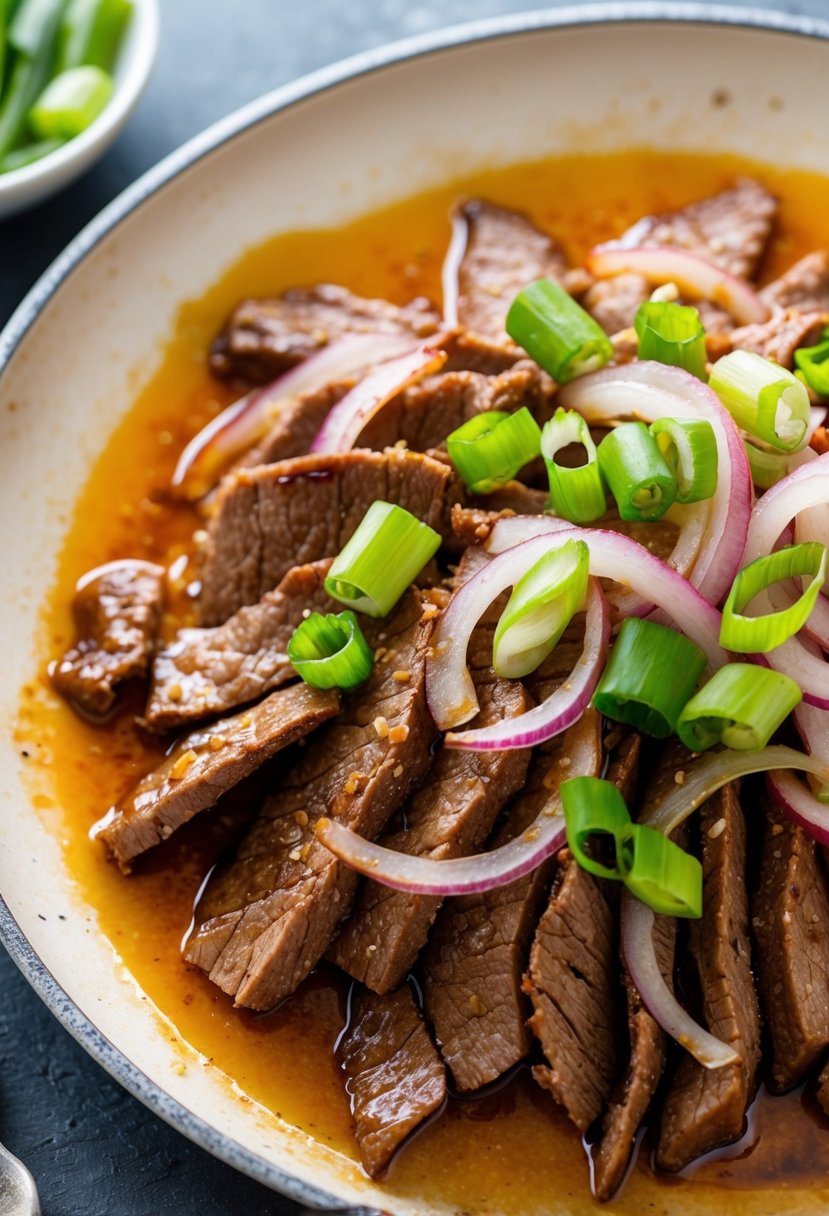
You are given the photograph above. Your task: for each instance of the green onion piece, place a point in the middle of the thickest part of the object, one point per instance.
(330, 651)
(540, 608)
(595, 814)
(742, 705)
(386, 553)
(490, 448)
(689, 448)
(651, 673)
(29, 154)
(577, 494)
(35, 27)
(672, 334)
(763, 398)
(813, 362)
(759, 634)
(4, 37)
(661, 874)
(71, 102)
(91, 33)
(636, 471)
(767, 468)
(557, 332)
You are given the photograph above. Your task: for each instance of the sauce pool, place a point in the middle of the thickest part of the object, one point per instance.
(511, 1151)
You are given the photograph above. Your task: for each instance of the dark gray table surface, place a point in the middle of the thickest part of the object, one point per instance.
(93, 1149)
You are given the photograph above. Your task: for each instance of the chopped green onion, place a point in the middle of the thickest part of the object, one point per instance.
(759, 634)
(636, 471)
(557, 332)
(386, 553)
(661, 874)
(689, 448)
(91, 33)
(763, 398)
(32, 33)
(651, 673)
(71, 102)
(767, 468)
(28, 154)
(813, 362)
(490, 448)
(672, 334)
(33, 25)
(540, 608)
(330, 651)
(595, 814)
(742, 705)
(577, 494)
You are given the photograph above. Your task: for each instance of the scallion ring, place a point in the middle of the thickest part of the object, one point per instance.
(557, 332)
(636, 472)
(764, 399)
(767, 467)
(689, 448)
(672, 334)
(577, 493)
(597, 822)
(661, 874)
(813, 363)
(386, 553)
(491, 448)
(330, 651)
(742, 705)
(760, 634)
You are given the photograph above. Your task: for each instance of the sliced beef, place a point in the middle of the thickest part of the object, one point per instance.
(822, 1093)
(450, 815)
(799, 301)
(420, 417)
(263, 338)
(731, 229)
(394, 1076)
(805, 285)
(477, 952)
(204, 672)
(706, 1107)
(267, 916)
(272, 518)
(296, 426)
(117, 609)
(790, 918)
(504, 252)
(206, 764)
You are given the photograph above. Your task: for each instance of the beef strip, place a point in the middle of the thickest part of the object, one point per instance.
(117, 610)
(394, 1076)
(805, 285)
(450, 815)
(475, 959)
(822, 1093)
(504, 252)
(421, 416)
(790, 918)
(277, 516)
(263, 338)
(704, 1107)
(266, 917)
(731, 229)
(204, 672)
(206, 764)
(296, 426)
(799, 301)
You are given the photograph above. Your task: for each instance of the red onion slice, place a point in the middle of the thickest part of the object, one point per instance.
(800, 804)
(348, 417)
(449, 688)
(637, 921)
(802, 489)
(467, 875)
(450, 271)
(248, 420)
(649, 391)
(564, 706)
(694, 276)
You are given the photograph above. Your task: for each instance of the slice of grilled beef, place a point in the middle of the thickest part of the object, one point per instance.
(705, 1107)
(730, 229)
(477, 953)
(263, 338)
(277, 516)
(394, 1075)
(205, 672)
(117, 609)
(504, 251)
(268, 915)
(790, 919)
(450, 815)
(207, 763)
(805, 285)
(799, 303)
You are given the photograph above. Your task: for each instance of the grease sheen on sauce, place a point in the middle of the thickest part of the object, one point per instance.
(513, 1151)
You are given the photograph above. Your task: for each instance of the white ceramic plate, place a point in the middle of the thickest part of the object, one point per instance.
(349, 139)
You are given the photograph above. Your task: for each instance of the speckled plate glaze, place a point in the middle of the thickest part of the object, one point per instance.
(73, 354)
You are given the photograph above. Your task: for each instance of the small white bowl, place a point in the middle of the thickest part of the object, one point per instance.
(24, 187)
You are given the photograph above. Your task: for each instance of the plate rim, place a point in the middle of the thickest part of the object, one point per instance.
(315, 83)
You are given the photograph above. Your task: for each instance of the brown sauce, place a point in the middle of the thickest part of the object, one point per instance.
(511, 1151)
